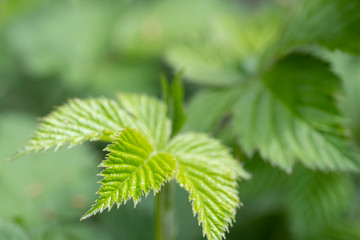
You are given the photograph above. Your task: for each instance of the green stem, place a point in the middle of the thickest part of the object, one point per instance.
(164, 215)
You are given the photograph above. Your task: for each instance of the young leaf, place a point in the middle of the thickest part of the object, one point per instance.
(173, 96)
(133, 168)
(209, 173)
(76, 122)
(150, 117)
(177, 97)
(100, 119)
(291, 115)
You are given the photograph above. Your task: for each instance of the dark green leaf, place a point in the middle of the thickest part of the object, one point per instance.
(291, 115)
(333, 24)
(316, 201)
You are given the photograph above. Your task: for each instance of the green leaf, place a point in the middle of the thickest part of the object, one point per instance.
(173, 96)
(333, 24)
(203, 66)
(207, 108)
(165, 93)
(133, 168)
(177, 97)
(209, 173)
(340, 231)
(348, 68)
(316, 201)
(292, 116)
(265, 180)
(227, 54)
(150, 117)
(100, 119)
(11, 231)
(76, 122)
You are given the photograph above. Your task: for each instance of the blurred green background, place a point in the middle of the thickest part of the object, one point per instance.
(54, 50)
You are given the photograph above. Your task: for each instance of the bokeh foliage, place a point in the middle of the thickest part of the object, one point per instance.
(52, 50)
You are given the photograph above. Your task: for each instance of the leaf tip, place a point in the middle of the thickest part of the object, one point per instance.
(14, 156)
(84, 217)
(88, 214)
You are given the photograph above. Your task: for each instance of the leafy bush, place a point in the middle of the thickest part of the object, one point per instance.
(277, 85)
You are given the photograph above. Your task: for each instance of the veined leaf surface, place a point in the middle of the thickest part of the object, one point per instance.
(100, 119)
(133, 168)
(209, 173)
(333, 24)
(150, 117)
(291, 116)
(76, 122)
(316, 200)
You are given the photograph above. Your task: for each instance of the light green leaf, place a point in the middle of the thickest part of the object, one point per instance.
(291, 116)
(133, 168)
(230, 50)
(100, 119)
(203, 65)
(333, 24)
(76, 122)
(209, 173)
(150, 117)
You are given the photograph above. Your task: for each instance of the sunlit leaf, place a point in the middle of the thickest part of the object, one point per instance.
(133, 168)
(209, 173)
(150, 117)
(76, 122)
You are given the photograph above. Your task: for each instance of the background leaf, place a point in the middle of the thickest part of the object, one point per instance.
(316, 200)
(347, 67)
(231, 50)
(311, 22)
(292, 115)
(208, 108)
(11, 231)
